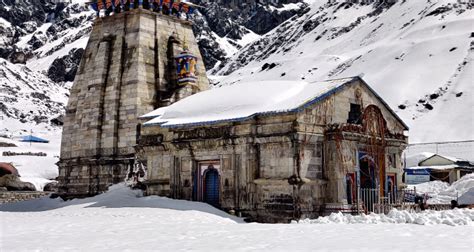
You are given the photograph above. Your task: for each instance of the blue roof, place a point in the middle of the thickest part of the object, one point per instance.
(33, 139)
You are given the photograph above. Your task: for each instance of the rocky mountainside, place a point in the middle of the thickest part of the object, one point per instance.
(416, 54)
(223, 27)
(41, 44)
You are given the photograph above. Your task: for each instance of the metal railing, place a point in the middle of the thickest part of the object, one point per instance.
(369, 200)
(368, 197)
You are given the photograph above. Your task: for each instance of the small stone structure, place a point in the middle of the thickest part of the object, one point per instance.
(278, 166)
(18, 196)
(128, 68)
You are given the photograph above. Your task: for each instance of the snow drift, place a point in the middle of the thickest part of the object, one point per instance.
(442, 193)
(454, 217)
(123, 220)
(118, 196)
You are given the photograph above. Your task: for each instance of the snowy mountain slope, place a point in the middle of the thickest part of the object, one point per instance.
(46, 39)
(41, 48)
(224, 27)
(42, 42)
(29, 99)
(416, 54)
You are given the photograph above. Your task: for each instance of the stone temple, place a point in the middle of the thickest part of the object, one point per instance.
(287, 150)
(140, 111)
(130, 67)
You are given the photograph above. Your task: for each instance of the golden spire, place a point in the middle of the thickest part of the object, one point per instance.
(185, 43)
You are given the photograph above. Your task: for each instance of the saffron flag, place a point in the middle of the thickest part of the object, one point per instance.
(184, 8)
(176, 6)
(165, 3)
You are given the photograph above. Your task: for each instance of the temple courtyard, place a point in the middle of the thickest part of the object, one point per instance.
(122, 219)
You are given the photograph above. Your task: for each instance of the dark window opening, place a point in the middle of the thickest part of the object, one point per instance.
(355, 114)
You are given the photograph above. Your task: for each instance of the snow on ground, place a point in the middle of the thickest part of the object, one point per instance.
(37, 170)
(122, 220)
(286, 7)
(443, 193)
(455, 217)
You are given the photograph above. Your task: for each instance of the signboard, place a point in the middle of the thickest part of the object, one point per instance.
(409, 197)
(417, 176)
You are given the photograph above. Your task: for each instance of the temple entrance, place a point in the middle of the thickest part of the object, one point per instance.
(391, 187)
(368, 182)
(367, 172)
(211, 188)
(206, 183)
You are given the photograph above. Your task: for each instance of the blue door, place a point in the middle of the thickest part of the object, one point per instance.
(211, 185)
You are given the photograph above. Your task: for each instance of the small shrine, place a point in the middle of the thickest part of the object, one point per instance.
(176, 8)
(186, 67)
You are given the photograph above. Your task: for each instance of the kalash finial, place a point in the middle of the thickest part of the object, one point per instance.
(185, 44)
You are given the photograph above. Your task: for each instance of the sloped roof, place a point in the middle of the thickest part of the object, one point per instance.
(450, 159)
(243, 101)
(414, 160)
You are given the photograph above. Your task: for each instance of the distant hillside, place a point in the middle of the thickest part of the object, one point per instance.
(416, 54)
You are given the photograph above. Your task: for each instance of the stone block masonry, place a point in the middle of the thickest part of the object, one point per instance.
(12, 197)
(126, 71)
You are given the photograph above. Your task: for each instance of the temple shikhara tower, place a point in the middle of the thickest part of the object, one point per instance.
(141, 55)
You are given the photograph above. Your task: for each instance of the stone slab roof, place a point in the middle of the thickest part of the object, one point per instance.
(243, 101)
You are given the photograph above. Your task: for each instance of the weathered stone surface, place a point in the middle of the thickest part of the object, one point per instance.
(280, 167)
(51, 187)
(126, 71)
(12, 197)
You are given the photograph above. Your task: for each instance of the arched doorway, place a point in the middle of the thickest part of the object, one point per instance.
(367, 172)
(211, 187)
(368, 181)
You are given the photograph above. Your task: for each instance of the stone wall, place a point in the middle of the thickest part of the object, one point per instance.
(259, 163)
(11, 197)
(126, 71)
(274, 168)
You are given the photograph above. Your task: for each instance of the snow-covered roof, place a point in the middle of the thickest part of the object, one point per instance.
(435, 167)
(440, 157)
(243, 101)
(414, 160)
